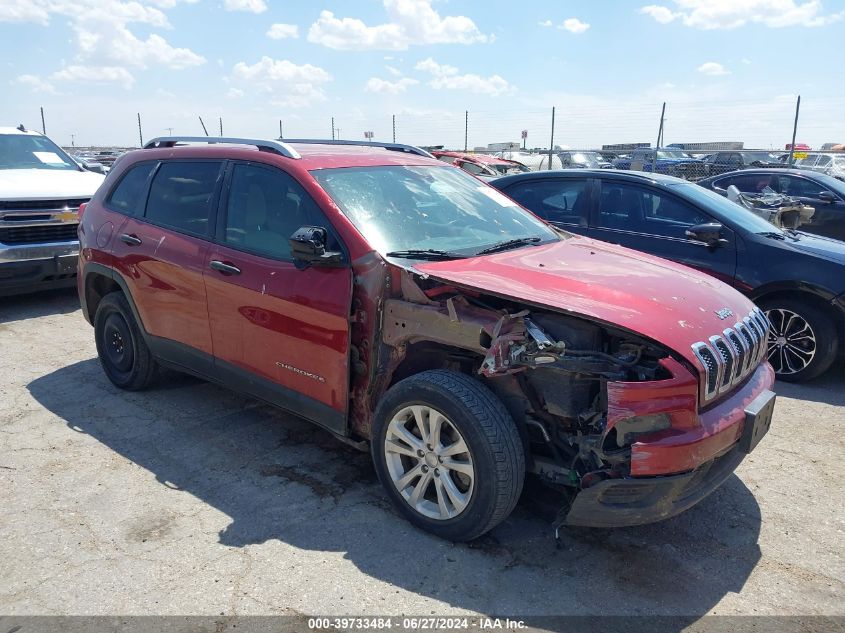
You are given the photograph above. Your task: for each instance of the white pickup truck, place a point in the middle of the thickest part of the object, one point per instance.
(41, 188)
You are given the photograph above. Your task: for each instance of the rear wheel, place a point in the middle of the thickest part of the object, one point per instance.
(803, 341)
(448, 453)
(123, 353)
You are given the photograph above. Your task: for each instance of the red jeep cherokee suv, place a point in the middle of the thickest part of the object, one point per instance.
(401, 303)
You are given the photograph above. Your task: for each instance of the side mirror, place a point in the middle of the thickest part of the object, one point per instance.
(827, 196)
(709, 233)
(308, 247)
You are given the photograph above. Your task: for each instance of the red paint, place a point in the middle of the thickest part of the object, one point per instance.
(667, 302)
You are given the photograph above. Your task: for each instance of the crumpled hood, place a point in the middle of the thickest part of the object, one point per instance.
(47, 184)
(666, 302)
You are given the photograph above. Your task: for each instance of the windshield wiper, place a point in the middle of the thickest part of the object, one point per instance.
(503, 246)
(427, 253)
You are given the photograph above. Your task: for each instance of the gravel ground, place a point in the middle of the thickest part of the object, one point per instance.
(189, 499)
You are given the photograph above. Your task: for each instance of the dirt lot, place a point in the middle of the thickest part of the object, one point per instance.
(189, 499)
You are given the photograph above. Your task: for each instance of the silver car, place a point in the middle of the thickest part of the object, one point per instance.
(830, 164)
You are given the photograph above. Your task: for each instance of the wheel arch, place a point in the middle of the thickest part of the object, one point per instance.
(99, 281)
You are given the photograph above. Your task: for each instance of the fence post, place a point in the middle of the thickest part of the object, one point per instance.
(332, 128)
(394, 128)
(140, 133)
(794, 132)
(552, 141)
(221, 126)
(466, 128)
(659, 137)
(203, 125)
(281, 135)
(43, 125)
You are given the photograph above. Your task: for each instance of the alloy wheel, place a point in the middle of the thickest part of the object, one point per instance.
(792, 342)
(429, 462)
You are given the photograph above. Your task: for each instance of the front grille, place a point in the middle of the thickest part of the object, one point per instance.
(728, 358)
(41, 205)
(38, 233)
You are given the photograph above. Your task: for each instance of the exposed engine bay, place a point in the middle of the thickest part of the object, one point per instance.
(550, 369)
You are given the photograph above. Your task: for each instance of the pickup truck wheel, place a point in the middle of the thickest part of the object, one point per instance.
(124, 355)
(448, 453)
(802, 339)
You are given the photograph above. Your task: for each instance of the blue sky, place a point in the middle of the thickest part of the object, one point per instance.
(728, 69)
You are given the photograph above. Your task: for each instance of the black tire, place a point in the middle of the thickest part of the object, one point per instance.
(823, 332)
(494, 443)
(123, 353)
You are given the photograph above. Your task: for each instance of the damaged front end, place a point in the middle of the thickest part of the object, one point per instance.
(583, 394)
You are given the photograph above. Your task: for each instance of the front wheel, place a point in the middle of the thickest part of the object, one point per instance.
(448, 453)
(803, 341)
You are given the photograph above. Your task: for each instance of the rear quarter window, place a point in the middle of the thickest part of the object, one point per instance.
(126, 197)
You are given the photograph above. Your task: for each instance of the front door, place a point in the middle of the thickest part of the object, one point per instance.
(278, 331)
(655, 221)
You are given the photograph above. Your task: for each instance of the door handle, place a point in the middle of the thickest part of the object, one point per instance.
(226, 269)
(132, 240)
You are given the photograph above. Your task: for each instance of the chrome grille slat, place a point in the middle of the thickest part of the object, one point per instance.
(729, 357)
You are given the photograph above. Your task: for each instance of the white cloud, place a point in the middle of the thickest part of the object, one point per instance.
(731, 14)
(101, 29)
(713, 69)
(36, 84)
(664, 15)
(95, 74)
(449, 78)
(235, 93)
(412, 22)
(574, 25)
(394, 71)
(374, 84)
(281, 31)
(249, 6)
(289, 84)
(545, 23)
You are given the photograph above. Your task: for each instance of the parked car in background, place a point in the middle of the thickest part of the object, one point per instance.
(481, 165)
(534, 162)
(824, 193)
(673, 162)
(830, 164)
(722, 162)
(798, 279)
(41, 188)
(583, 160)
(398, 301)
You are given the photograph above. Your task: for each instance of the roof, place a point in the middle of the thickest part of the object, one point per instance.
(16, 131)
(485, 159)
(604, 174)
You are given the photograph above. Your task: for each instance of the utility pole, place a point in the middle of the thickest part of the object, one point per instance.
(466, 128)
(281, 134)
(394, 128)
(43, 126)
(524, 138)
(140, 133)
(221, 126)
(203, 125)
(794, 132)
(552, 142)
(169, 131)
(337, 129)
(332, 128)
(659, 139)
(73, 140)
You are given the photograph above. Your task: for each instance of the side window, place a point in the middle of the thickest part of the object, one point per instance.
(823, 161)
(266, 206)
(561, 200)
(126, 197)
(181, 196)
(472, 168)
(796, 186)
(750, 183)
(631, 208)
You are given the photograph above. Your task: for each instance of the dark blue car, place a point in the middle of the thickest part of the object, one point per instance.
(672, 162)
(797, 278)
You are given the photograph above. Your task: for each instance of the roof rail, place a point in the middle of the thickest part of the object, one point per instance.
(275, 147)
(396, 147)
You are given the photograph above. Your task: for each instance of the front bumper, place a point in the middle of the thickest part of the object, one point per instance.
(33, 267)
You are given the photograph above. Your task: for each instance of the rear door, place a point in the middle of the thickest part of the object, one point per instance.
(564, 202)
(161, 255)
(655, 221)
(279, 332)
(829, 217)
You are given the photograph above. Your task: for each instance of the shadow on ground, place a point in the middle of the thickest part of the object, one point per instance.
(38, 304)
(828, 388)
(278, 477)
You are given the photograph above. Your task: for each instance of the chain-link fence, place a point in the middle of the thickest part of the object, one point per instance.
(690, 139)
